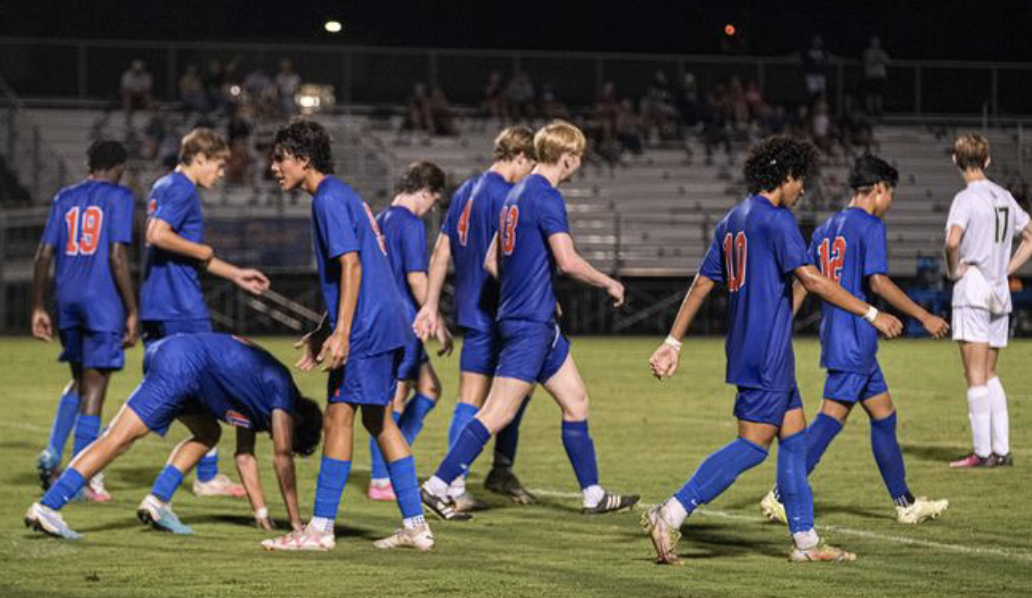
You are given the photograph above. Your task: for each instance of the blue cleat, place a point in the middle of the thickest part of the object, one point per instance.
(44, 519)
(159, 515)
(46, 465)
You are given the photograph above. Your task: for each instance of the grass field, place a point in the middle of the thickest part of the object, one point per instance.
(649, 437)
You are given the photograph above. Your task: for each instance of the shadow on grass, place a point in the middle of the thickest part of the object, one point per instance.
(18, 444)
(941, 454)
(705, 541)
(25, 478)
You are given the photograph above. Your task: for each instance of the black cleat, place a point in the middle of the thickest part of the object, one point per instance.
(1002, 460)
(502, 480)
(442, 507)
(612, 503)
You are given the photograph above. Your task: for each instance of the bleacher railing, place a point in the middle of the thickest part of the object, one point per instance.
(40, 169)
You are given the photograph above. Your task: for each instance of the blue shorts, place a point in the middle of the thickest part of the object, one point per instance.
(480, 351)
(412, 360)
(165, 393)
(531, 351)
(369, 380)
(92, 349)
(765, 406)
(850, 387)
(155, 330)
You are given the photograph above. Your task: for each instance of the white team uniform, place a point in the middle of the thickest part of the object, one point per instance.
(981, 298)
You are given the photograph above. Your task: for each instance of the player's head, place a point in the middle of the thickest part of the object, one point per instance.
(971, 152)
(106, 158)
(298, 148)
(424, 183)
(514, 147)
(204, 152)
(874, 179)
(560, 144)
(308, 424)
(780, 163)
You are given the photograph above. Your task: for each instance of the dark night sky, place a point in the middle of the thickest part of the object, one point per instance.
(948, 29)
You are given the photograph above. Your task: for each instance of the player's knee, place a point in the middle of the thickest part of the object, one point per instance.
(430, 385)
(576, 408)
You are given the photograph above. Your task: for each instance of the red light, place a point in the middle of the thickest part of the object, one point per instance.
(729, 30)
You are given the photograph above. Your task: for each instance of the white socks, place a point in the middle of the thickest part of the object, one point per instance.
(436, 486)
(672, 513)
(980, 412)
(1000, 420)
(321, 524)
(413, 522)
(592, 496)
(806, 540)
(457, 488)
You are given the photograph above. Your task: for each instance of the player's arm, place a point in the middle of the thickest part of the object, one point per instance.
(247, 468)
(118, 260)
(798, 296)
(1024, 251)
(161, 235)
(570, 263)
(428, 320)
(830, 291)
(665, 359)
(283, 462)
(335, 350)
(953, 239)
(251, 280)
(42, 327)
(311, 343)
(885, 288)
(491, 258)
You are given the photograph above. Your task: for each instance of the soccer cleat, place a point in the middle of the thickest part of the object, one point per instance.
(773, 509)
(612, 503)
(820, 553)
(219, 485)
(44, 519)
(95, 491)
(502, 480)
(664, 537)
(442, 507)
(921, 510)
(308, 538)
(1002, 460)
(466, 502)
(381, 493)
(46, 465)
(973, 460)
(419, 538)
(159, 515)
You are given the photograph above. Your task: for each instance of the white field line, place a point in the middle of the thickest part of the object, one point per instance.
(960, 548)
(24, 426)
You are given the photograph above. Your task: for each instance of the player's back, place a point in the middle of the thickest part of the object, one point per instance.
(405, 236)
(85, 219)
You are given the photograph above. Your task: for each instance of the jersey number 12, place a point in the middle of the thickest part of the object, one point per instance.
(833, 255)
(735, 257)
(84, 234)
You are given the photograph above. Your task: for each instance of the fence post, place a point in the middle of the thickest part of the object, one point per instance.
(994, 87)
(36, 163)
(83, 70)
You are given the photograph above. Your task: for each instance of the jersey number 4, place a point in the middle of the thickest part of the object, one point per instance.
(84, 233)
(735, 258)
(509, 217)
(833, 255)
(463, 226)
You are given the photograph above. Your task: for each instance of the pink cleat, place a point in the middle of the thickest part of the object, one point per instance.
(382, 493)
(95, 491)
(219, 485)
(308, 538)
(972, 460)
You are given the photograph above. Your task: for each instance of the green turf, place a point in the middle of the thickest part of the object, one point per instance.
(649, 437)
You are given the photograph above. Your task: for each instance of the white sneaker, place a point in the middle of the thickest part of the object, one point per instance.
(821, 553)
(664, 537)
(95, 490)
(418, 537)
(219, 485)
(921, 510)
(44, 519)
(773, 509)
(308, 538)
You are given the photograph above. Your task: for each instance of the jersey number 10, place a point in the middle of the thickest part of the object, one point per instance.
(735, 257)
(833, 255)
(84, 234)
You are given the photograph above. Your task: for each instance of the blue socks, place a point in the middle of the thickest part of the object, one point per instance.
(379, 468)
(462, 415)
(411, 421)
(208, 466)
(168, 481)
(890, 459)
(508, 438)
(68, 485)
(718, 471)
(87, 427)
(64, 420)
(333, 474)
(581, 451)
(464, 451)
(406, 486)
(792, 482)
(823, 429)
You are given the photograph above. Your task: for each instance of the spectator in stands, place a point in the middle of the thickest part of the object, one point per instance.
(657, 108)
(629, 129)
(136, 90)
(288, 82)
(688, 104)
(737, 104)
(776, 121)
(418, 115)
(758, 109)
(441, 120)
(214, 78)
(815, 61)
(855, 129)
(821, 131)
(606, 112)
(239, 165)
(519, 97)
(493, 103)
(876, 73)
(716, 129)
(191, 91)
(551, 107)
(260, 92)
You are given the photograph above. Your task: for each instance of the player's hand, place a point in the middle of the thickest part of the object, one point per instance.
(616, 291)
(888, 325)
(310, 345)
(444, 337)
(265, 523)
(252, 281)
(426, 322)
(959, 272)
(664, 361)
(334, 353)
(41, 326)
(131, 328)
(936, 326)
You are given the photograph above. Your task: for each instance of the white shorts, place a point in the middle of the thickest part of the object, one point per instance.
(976, 325)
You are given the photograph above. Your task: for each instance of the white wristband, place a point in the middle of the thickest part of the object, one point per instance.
(261, 513)
(673, 342)
(871, 314)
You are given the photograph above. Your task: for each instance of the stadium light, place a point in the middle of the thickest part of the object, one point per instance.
(729, 30)
(333, 26)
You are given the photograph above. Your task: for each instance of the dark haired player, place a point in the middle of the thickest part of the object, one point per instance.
(198, 379)
(757, 251)
(88, 232)
(851, 249)
(360, 341)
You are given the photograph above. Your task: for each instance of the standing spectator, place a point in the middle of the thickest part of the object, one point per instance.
(607, 109)
(260, 92)
(815, 60)
(213, 80)
(552, 107)
(876, 72)
(657, 107)
(288, 83)
(758, 109)
(136, 90)
(417, 111)
(191, 91)
(519, 96)
(688, 103)
(440, 113)
(493, 104)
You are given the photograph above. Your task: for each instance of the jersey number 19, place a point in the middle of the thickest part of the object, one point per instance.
(84, 234)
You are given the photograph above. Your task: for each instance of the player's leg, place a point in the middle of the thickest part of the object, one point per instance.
(49, 459)
(473, 389)
(502, 477)
(975, 356)
(428, 392)
(379, 478)
(998, 408)
(93, 388)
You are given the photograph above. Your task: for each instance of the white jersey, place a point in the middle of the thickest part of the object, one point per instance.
(990, 218)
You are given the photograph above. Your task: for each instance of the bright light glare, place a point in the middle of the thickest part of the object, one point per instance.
(333, 26)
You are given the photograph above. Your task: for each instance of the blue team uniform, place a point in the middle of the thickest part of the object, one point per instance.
(405, 235)
(85, 219)
(343, 223)
(533, 348)
(755, 250)
(235, 381)
(850, 247)
(171, 300)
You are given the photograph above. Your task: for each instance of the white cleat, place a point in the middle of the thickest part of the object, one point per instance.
(664, 537)
(220, 485)
(773, 509)
(308, 538)
(418, 537)
(44, 519)
(822, 553)
(922, 510)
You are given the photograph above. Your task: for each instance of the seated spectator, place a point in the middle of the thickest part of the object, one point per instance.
(758, 109)
(493, 103)
(776, 121)
(821, 131)
(737, 104)
(688, 106)
(418, 115)
(288, 82)
(716, 127)
(519, 97)
(191, 91)
(239, 165)
(214, 78)
(441, 120)
(260, 93)
(551, 107)
(629, 128)
(136, 90)
(657, 108)
(607, 109)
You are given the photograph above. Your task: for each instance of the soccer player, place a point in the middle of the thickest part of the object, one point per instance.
(757, 251)
(88, 233)
(532, 243)
(466, 234)
(850, 248)
(418, 191)
(198, 379)
(171, 298)
(982, 222)
(360, 341)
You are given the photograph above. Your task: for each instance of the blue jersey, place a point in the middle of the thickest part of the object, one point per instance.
(470, 224)
(405, 235)
(755, 250)
(236, 381)
(171, 284)
(85, 219)
(533, 211)
(343, 223)
(849, 247)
